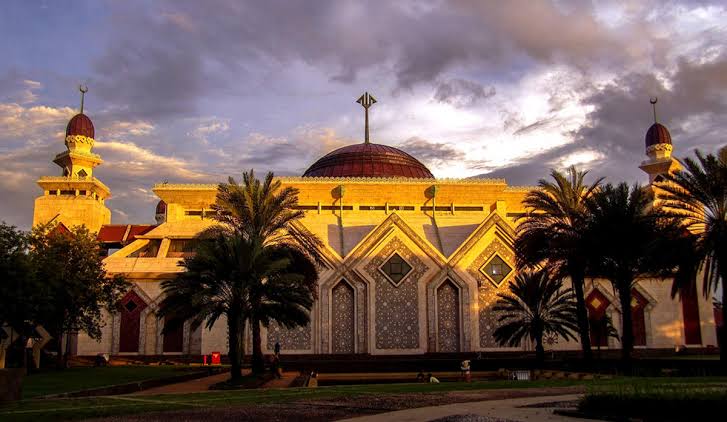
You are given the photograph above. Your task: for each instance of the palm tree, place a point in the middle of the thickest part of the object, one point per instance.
(212, 286)
(265, 215)
(536, 305)
(698, 195)
(551, 235)
(631, 241)
(254, 267)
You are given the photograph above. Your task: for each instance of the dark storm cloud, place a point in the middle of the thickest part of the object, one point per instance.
(529, 171)
(430, 152)
(161, 60)
(694, 102)
(462, 93)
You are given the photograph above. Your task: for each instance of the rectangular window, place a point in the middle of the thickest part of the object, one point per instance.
(469, 208)
(307, 207)
(401, 208)
(181, 248)
(150, 250)
(437, 208)
(197, 213)
(372, 207)
(337, 207)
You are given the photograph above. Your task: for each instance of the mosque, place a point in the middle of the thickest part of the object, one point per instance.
(412, 263)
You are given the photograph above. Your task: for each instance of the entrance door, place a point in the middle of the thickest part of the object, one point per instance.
(174, 340)
(342, 318)
(597, 303)
(448, 317)
(131, 307)
(638, 318)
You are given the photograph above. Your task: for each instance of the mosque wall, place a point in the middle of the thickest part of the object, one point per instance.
(454, 259)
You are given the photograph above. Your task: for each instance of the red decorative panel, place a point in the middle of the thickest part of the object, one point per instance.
(131, 307)
(597, 303)
(690, 313)
(174, 340)
(638, 319)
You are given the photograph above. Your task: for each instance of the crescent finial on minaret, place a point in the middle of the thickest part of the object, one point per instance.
(84, 90)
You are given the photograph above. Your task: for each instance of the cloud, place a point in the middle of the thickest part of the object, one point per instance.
(20, 123)
(462, 93)
(123, 129)
(431, 153)
(191, 91)
(14, 88)
(133, 160)
(208, 127)
(286, 155)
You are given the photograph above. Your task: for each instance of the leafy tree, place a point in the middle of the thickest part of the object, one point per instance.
(536, 305)
(551, 234)
(68, 263)
(631, 241)
(697, 194)
(20, 295)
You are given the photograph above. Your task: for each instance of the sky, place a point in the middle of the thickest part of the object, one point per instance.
(194, 92)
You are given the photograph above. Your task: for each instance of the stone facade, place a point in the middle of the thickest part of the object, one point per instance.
(444, 303)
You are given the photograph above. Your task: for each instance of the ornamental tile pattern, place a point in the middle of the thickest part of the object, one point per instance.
(448, 317)
(487, 295)
(397, 308)
(342, 319)
(298, 338)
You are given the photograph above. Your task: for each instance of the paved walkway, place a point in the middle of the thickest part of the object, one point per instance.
(284, 382)
(192, 386)
(509, 410)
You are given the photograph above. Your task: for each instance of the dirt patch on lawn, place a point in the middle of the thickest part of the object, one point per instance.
(329, 409)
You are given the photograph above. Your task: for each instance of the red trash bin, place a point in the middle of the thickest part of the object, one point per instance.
(216, 358)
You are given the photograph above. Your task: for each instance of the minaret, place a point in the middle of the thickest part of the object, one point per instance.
(658, 150)
(76, 197)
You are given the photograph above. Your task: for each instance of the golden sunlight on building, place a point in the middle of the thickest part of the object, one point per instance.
(413, 264)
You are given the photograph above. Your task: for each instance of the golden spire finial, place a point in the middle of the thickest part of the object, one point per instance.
(84, 90)
(653, 101)
(366, 101)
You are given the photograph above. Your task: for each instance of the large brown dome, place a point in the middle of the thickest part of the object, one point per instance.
(368, 160)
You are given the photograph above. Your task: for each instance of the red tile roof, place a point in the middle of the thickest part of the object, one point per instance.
(122, 233)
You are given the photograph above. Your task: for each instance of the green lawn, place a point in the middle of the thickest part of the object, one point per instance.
(674, 401)
(74, 379)
(105, 406)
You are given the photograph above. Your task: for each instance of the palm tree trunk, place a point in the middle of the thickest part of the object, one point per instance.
(233, 333)
(539, 350)
(627, 328)
(723, 328)
(258, 365)
(582, 315)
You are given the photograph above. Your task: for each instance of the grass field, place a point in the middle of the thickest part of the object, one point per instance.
(75, 379)
(68, 409)
(657, 401)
